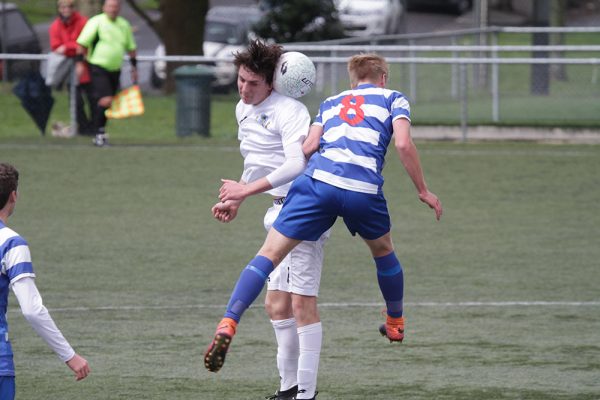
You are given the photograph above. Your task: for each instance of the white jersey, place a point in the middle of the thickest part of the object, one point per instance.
(264, 130)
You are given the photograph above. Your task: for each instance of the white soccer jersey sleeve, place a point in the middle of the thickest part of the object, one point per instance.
(38, 317)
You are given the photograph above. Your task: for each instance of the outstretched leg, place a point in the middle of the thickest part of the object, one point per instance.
(248, 287)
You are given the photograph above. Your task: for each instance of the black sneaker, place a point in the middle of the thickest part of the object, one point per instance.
(284, 395)
(100, 140)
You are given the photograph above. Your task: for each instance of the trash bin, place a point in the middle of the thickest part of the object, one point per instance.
(193, 85)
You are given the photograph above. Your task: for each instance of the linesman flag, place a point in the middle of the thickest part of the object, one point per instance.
(127, 103)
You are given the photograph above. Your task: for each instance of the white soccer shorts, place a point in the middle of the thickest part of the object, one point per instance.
(300, 271)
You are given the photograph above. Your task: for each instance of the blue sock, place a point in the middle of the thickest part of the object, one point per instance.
(248, 287)
(391, 283)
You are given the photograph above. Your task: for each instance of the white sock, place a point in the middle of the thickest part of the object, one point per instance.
(310, 338)
(287, 352)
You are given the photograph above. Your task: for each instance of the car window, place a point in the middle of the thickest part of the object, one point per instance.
(221, 32)
(16, 29)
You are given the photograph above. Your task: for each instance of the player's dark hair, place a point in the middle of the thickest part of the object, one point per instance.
(260, 58)
(9, 180)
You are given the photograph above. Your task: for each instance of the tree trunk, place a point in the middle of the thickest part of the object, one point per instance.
(540, 73)
(181, 29)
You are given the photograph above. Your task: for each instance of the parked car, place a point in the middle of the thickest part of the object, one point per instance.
(370, 17)
(17, 36)
(454, 6)
(227, 30)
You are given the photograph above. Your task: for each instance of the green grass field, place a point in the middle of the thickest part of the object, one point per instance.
(502, 297)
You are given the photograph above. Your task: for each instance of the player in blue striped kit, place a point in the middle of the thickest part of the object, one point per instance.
(343, 179)
(17, 274)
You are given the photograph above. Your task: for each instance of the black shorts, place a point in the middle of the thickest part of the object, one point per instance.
(104, 83)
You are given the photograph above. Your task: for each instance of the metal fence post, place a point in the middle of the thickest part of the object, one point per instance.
(73, 98)
(412, 73)
(454, 71)
(334, 73)
(4, 48)
(463, 101)
(495, 81)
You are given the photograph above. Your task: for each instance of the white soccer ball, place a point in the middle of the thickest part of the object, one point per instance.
(295, 74)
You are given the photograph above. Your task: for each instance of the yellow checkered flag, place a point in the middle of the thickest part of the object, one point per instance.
(127, 103)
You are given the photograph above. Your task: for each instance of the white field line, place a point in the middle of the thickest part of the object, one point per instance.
(432, 304)
(227, 149)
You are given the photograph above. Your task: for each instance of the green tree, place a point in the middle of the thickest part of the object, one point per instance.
(299, 21)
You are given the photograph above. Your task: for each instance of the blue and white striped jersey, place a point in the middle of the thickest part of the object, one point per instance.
(15, 263)
(357, 129)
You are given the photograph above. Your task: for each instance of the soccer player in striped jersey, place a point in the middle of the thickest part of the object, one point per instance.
(271, 130)
(17, 273)
(343, 179)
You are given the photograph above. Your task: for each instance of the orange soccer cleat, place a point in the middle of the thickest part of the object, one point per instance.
(214, 357)
(393, 329)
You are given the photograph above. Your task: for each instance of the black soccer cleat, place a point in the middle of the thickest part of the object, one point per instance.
(285, 394)
(304, 390)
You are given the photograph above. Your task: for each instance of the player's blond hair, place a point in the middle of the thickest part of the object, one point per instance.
(366, 67)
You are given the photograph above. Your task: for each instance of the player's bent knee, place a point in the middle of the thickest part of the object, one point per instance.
(278, 305)
(381, 246)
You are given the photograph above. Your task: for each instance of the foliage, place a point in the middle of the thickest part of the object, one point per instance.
(299, 21)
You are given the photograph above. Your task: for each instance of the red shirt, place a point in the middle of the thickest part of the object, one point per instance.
(66, 33)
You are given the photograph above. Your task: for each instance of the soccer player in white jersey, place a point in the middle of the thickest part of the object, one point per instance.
(17, 273)
(271, 130)
(343, 179)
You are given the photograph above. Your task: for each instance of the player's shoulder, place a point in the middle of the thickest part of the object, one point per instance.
(281, 98)
(8, 237)
(286, 103)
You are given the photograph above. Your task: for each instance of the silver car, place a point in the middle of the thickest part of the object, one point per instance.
(370, 17)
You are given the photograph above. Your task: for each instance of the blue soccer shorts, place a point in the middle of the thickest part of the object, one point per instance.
(7, 387)
(312, 207)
